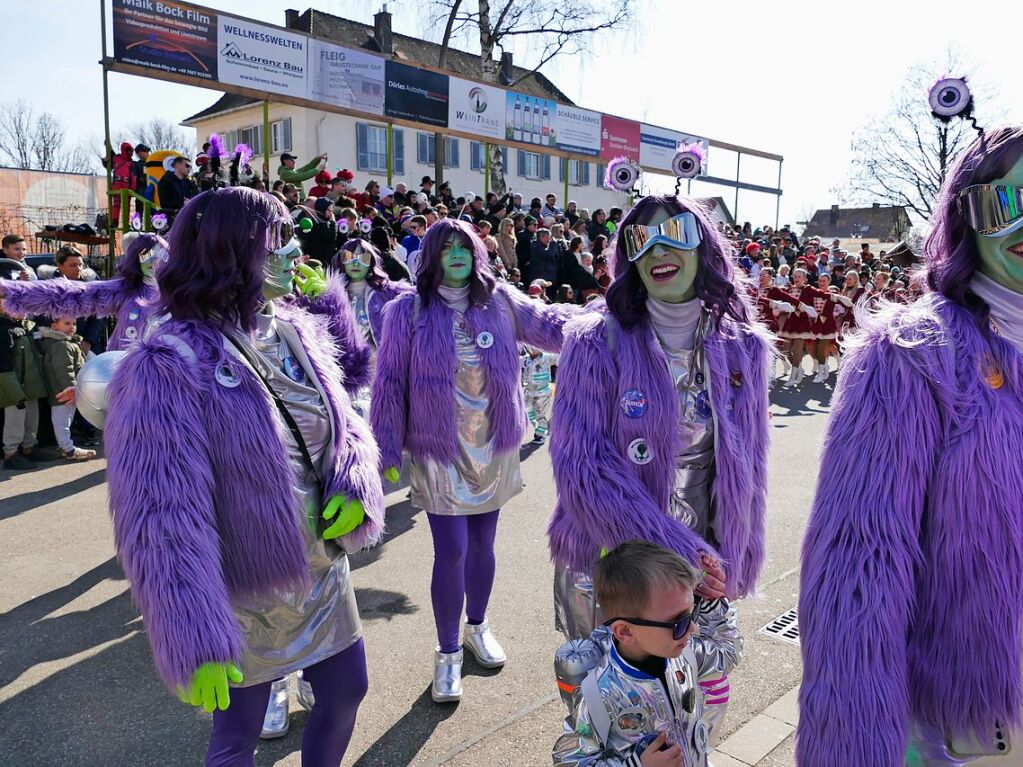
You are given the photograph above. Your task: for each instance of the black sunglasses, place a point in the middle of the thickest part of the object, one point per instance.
(678, 627)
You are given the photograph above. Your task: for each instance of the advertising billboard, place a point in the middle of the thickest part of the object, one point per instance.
(172, 37)
(346, 78)
(529, 119)
(261, 57)
(475, 108)
(416, 94)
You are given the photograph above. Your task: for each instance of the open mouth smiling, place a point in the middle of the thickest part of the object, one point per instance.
(1017, 249)
(664, 272)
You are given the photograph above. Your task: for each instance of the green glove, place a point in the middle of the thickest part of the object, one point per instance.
(312, 281)
(352, 515)
(392, 475)
(208, 687)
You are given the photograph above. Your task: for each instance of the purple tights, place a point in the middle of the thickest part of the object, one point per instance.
(463, 572)
(339, 685)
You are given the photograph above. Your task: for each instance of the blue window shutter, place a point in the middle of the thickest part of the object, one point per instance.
(547, 167)
(474, 155)
(421, 149)
(362, 145)
(561, 169)
(599, 180)
(451, 150)
(522, 162)
(398, 139)
(456, 161)
(586, 174)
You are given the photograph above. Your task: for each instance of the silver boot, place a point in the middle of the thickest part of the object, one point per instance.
(447, 677)
(275, 721)
(480, 641)
(305, 696)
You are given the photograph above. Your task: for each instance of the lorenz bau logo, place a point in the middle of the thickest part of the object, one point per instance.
(478, 100)
(232, 51)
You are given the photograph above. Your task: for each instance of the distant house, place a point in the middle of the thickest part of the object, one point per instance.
(718, 210)
(876, 224)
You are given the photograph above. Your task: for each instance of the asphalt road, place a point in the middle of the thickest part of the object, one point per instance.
(78, 688)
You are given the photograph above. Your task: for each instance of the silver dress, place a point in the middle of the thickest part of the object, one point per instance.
(292, 631)
(360, 307)
(479, 481)
(575, 613)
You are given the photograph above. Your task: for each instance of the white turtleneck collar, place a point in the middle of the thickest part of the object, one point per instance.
(675, 324)
(357, 288)
(1006, 307)
(456, 298)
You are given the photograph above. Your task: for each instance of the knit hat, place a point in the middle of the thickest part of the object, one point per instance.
(752, 248)
(323, 178)
(322, 204)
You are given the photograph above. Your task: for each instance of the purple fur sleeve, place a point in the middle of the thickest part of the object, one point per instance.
(64, 298)
(598, 496)
(355, 353)
(389, 413)
(359, 477)
(536, 323)
(161, 499)
(856, 597)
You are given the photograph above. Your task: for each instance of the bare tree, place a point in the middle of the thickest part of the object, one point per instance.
(38, 142)
(902, 157)
(160, 134)
(552, 27)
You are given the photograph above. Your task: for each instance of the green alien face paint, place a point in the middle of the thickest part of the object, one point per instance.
(456, 259)
(1001, 258)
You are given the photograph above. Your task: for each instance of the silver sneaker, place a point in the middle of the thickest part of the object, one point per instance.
(276, 721)
(447, 677)
(305, 696)
(480, 641)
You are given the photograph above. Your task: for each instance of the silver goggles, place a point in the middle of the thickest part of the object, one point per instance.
(679, 231)
(993, 211)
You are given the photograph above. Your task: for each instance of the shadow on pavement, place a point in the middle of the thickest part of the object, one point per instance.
(797, 401)
(19, 504)
(377, 604)
(400, 744)
(28, 637)
(400, 519)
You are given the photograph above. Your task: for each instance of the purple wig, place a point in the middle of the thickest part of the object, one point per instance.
(950, 250)
(716, 279)
(219, 246)
(376, 278)
(129, 267)
(430, 273)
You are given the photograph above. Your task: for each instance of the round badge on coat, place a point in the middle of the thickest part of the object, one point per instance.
(133, 314)
(701, 737)
(225, 377)
(485, 340)
(634, 403)
(130, 333)
(293, 370)
(639, 452)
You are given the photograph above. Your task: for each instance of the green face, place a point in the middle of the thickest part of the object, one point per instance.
(280, 275)
(356, 270)
(457, 262)
(1001, 258)
(668, 274)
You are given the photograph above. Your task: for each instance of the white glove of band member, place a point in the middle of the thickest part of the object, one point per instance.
(783, 306)
(809, 310)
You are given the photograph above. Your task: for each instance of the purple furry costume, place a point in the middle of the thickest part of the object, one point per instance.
(354, 355)
(126, 297)
(911, 593)
(603, 498)
(198, 466)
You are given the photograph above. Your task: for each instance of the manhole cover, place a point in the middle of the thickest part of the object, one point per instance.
(785, 627)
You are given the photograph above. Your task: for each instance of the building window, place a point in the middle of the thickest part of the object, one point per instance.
(280, 136)
(425, 150)
(533, 165)
(578, 172)
(371, 145)
(599, 180)
(253, 137)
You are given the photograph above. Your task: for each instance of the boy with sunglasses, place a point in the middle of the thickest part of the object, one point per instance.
(636, 701)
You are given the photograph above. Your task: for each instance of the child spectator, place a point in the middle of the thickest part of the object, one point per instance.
(640, 703)
(536, 380)
(62, 356)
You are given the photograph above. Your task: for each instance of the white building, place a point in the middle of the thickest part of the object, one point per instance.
(361, 144)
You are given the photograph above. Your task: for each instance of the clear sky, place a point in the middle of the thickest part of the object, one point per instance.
(791, 77)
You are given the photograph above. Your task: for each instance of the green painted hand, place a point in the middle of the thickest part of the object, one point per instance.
(209, 688)
(392, 475)
(311, 280)
(350, 514)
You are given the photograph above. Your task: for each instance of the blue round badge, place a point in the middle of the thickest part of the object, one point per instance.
(293, 370)
(634, 403)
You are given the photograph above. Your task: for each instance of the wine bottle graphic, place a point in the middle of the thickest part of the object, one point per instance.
(517, 121)
(527, 122)
(545, 136)
(536, 123)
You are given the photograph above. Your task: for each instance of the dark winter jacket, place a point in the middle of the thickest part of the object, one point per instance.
(62, 358)
(174, 191)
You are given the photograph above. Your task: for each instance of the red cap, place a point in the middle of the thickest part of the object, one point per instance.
(752, 247)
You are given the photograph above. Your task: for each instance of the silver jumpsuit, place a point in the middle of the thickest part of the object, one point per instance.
(295, 630)
(618, 706)
(478, 481)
